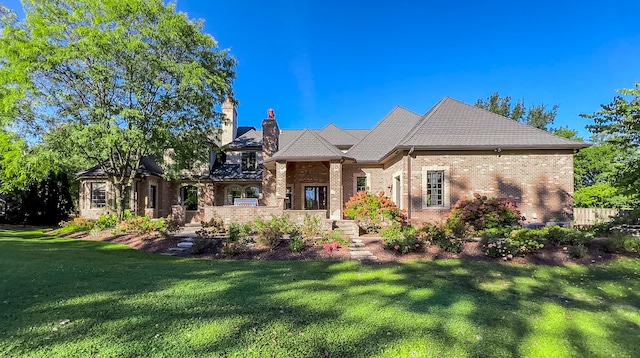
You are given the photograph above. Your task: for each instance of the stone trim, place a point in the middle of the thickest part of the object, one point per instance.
(446, 190)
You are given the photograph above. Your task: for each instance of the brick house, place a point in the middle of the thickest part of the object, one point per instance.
(424, 163)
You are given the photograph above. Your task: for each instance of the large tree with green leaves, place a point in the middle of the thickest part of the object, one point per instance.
(539, 116)
(618, 124)
(113, 81)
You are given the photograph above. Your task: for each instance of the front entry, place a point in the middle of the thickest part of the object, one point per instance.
(315, 198)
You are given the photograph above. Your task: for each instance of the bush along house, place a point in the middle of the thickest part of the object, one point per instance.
(424, 163)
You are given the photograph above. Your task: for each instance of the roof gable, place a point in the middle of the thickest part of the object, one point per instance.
(308, 146)
(385, 136)
(457, 125)
(337, 136)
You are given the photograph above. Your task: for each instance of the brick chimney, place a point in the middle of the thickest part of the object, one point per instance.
(229, 124)
(270, 135)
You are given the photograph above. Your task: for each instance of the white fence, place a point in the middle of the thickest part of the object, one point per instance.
(591, 216)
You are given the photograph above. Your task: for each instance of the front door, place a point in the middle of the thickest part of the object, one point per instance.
(315, 198)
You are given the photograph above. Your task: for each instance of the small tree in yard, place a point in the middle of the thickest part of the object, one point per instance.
(373, 210)
(113, 82)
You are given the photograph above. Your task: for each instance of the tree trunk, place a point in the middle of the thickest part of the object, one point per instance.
(118, 191)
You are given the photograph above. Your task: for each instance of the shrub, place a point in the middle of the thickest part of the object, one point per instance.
(169, 227)
(106, 221)
(215, 225)
(297, 243)
(401, 239)
(525, 241)
(456, 227)
(520, 242)
(76, 225)
(631, 244)
(140, 225)
(373, 211)
(311, 227)
(560, 236)
(619, 242)
(270, 232)
(577, 251)
(329, 237)
(438, 235)
(239, 232)
(231, 248)
(486, 213)
(497, 232)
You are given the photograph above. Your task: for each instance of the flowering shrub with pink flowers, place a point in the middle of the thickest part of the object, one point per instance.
(402, 239)
(519, 243)
(482, 212)
(441, 236)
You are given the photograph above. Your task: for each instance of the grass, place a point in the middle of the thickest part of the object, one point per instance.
(125, 303)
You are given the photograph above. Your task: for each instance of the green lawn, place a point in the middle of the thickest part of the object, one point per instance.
(126, 303)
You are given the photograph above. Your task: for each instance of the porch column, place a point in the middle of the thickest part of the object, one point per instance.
(281, 183)
(335, 190)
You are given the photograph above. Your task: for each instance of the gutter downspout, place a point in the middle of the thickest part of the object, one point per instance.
(409, 184)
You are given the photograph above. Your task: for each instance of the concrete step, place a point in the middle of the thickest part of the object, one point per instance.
(178, 249)
(361, 253)
(185, 244)
(357, 244)
(168, 253)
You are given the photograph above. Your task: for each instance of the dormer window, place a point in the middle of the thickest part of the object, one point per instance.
(248, 161)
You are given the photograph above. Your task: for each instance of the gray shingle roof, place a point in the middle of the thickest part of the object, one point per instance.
(385, 136)
(337, 136)
(358, 133)
(234, 172)
(308, 146)
(148, 166)
(288, 135)
(454, 124)
(248, 138)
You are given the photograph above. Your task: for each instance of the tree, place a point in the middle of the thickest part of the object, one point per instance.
(113, 82)
(539, 116)
(618, 123)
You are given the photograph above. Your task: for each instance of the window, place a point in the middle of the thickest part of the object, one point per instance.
(435, 188)
(98, 195)
(189, 197)
(233, 193)
(153, 192)
(248, 161)
(251, 192)
(315, 197)
(361, 184)
(289, 202)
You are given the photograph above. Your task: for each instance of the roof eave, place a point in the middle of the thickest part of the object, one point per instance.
(493, 147)
(307, 159)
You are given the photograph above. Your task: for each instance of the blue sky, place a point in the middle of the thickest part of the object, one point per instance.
(351, 62)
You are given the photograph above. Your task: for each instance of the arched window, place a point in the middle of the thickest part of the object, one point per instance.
(251, 192)
(189, 197)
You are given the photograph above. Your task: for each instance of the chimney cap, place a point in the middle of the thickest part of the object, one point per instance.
(227, 102)
(271, 114)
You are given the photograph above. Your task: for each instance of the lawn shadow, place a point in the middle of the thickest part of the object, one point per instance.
(137, 303)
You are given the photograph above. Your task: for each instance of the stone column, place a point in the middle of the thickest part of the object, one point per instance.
(281, 184)
(335, 191)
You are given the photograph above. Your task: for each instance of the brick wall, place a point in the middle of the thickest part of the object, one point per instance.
(541, 182)
(375, 177)
(244, 214)
(306, 173)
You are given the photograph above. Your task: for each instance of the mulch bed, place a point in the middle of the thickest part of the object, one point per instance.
(549, 256)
